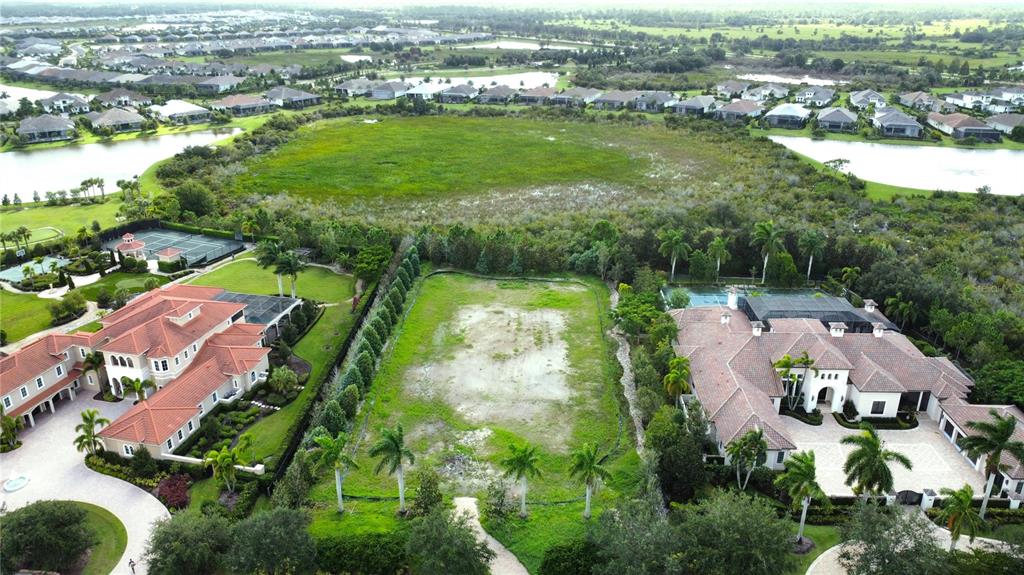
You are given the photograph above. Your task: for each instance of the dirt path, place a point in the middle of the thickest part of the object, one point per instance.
(504, 563)
(627, 381)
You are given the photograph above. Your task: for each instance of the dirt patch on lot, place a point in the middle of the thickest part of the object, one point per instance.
(505, 366)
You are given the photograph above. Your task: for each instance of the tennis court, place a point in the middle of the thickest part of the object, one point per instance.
(195, 249)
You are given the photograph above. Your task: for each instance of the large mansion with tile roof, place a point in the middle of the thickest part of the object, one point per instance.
(858, 355)
(198, 350)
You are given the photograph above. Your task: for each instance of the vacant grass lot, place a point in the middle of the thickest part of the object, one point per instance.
(546, 341)
(112, 282)
(68, 219)
(111, 539)
(317, 347)
(433, 156)
(22, 315)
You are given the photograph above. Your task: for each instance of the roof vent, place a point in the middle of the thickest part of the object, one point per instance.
(837, 329)
(726, 316)
(878, 329)
(870, 306)
(757, 327)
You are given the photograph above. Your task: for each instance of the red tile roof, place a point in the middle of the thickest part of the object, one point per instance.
(964, 413)
(169, 251)
(34, 359)
(130, 246)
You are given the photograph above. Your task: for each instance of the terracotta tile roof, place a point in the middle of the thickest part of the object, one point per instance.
(130, 246)
(45, 393)
(151, 329)
(963, 413)
(35, 358)
(169, 251)
(149, 423)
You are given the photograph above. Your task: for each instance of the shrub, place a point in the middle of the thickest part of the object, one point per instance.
(443, 542)
(173, 491)
(292, 489)
(282, 380)
(171, 267)
(576, 557)
(143, 465)
(276, 399)
(849, 410)
(366, 553)
(499, 505)
(274, 541)
(371, 337)
(428, 494)
(333, 418)
(45, 535)
(246, 501)
(349, 400)
(188, 542)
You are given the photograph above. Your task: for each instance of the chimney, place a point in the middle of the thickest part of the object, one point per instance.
(870, 306)
(757, 327)
(726, 316)
(837, 329)
(734, 298)
(877, 329)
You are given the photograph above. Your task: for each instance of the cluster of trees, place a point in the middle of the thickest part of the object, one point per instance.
(46, 536)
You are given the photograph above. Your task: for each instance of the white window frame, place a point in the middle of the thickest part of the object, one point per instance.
(89, 378)
(874, 403)
(7, 402)
(60, 370)
(24, 392)
(214, 396)
(163, 365)
(202, 409)
(191, 427)
(186, 354)
(234, 383)
(177, 361)
(252, 377)
(81, 352)
(128, 450)
(181, 435)
(169, 444)
(194, 348)
(39, 383)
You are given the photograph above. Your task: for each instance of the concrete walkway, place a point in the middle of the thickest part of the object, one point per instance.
(504, 563)
(57, 471)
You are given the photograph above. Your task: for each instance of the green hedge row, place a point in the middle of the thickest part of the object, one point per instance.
(362, 553)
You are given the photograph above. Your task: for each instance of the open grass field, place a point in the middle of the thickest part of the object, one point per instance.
(479, 365)
(111, 539)
(112, 282)
(824, 536)
(317, 347)
(67, 219)
(422, 157)
(21, 315)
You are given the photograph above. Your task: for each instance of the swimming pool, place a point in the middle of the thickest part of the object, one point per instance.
(715, 296)
(16, 274)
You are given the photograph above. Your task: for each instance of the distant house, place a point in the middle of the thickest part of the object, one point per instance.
(219, 84)
(739, 111)
(837, 120)
(816, 96)
(655, 101)
(123, 97)
(460, 94)
(766, 92)
(896, 124)
(45, 128)
(64, 103)
(425, 91)
(792, 116)
(865, 98)
(118, 120)
(577, 97)
(1005, 123)
(389, 90)
(963, 126)
(536, 96)
(918, 100)
(356, 87)
(182, 112)
(695, 106)
(243, 105)
(1013, 94)
(616, 99)
(969, 100)
(496, 95)
(285, 97)
(731, 88)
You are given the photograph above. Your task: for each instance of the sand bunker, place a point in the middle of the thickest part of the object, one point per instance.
(504, 366)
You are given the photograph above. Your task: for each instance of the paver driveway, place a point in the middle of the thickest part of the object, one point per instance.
(57, 471)
(937, 463)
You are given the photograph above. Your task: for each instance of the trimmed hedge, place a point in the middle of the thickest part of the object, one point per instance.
(812, 418)
(900, 422)
(362, 553)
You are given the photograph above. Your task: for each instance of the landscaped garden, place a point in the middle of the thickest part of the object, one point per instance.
(132, 283)
(23, 314)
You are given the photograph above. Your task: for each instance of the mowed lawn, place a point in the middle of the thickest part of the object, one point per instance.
(68, 219)
(112, 282)
(420, 157)
(436, 427)
(318, 346)
(111, 539)
(21, 315)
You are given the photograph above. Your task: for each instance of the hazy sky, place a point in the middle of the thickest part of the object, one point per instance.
(566, 4)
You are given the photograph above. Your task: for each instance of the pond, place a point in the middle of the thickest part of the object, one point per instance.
(52, 169)
(516, 45)
(710, 296)
(805, 79)
(354, 58)
(921, 167)
(524, 80)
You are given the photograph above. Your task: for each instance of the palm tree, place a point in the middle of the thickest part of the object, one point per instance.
(806, 362)
(4, 236)
(958, 514)
(93, 361)
(223, 463)
(811, 244)
(331, 453)
(9, 427)
(673, 246)
(867, 466)
(848, 276)
(677, 380)
(586, 467)
(769, 239)
(746, 452)
(87, 439)
(801, 483)
(244, 445)
(289, 264)
(786, 364)
(719, 250)
(991, 440)
(903, 310)
(519, 465)
(24, 234)
(138, 386)
(392, 452)
(267, 253)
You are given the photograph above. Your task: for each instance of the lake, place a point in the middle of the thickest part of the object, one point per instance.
(922, 167)
(353, 58)
(525, 80)
(52, 169)
(516, 45)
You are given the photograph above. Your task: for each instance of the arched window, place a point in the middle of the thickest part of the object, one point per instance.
(121, 361)
(130, 364)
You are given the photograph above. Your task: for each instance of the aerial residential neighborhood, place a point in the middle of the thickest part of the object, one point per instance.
(418, 288)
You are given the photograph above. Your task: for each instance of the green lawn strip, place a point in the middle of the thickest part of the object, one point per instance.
(91, 327)
(592, 412)
(346, 158)
(112, 282)
(68, 219)
(244, 275)
(21, 315)
(203, 491)
(824, 537)
(111, 539)
(1012, 533)
(361, 516)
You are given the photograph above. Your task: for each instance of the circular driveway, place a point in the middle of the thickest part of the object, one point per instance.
(57, 471)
